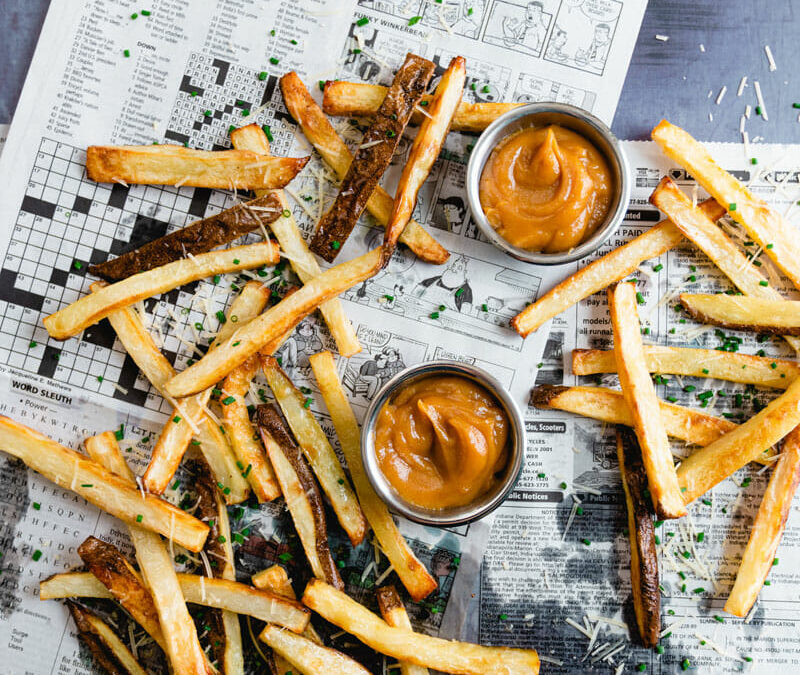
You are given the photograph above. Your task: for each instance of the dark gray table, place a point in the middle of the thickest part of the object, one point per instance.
(666, 79)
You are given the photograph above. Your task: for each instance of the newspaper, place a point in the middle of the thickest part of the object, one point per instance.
(184, 73)
(558, 551)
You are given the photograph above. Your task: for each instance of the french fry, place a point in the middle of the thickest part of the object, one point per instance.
(108, 650)
(198, 590)
(189, 415)
(110, 493)
(211, 508)
(173, 164)
(608, 405)
(762, 371)
(308, 656)
(178, 630)
(358, 99)
(292, 243)
(373, 156)
(393, 613)
(458, 658)
(411, 571)
(424, 151)
(742, 312)
(199, 237)
(273, 323)
(236, 419)
(91, 308)
(766, 227)
(642, 536)
(765, 536)
(601, 273)
(640, 395)
(300, 490)
(317, 449)
(712, 241)
(321, 134)
(708, 466)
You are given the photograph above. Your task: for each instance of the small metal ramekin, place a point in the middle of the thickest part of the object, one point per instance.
(457, 515)
(570, 117)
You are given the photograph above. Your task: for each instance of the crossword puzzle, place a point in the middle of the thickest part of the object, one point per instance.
(67, 221)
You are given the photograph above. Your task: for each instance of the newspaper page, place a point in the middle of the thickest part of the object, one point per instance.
(185, 73)
(558, 552)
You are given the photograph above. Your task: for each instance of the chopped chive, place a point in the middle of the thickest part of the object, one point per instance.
(119, 434)
(390, 298)
(228, 400)
(221, 539)
(731, 207)
(699, 590)
(36, 555)
(767, 582)
(579, 511)
(146, 12)
(176, 419)
(658, 268)
(773, 365)
(307, 403)
(77, 264)
(336, 245)
(267, 132)
(659, 649)
(763, 282)
(126, 53)
(33, 344)
(700, 536)
(363, 21)
(587, 542)
(541, 475)
(390, 133)
(414, 20)
(753, 160)
(36, 505)
(775, 561)
(486, 89)
(503, 616)
(274, 61)
(139, 518)
(484, 307)
(340, 564)
(641, 667)
(639, 298)
(686, 664)
(262, 75)
(718, 618)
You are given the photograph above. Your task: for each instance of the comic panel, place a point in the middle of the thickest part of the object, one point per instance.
(402, 9)
(503, 374)
(486, 82)
(532, 89)
(373, 54)
(583, 34)
(455, 16)
(521, 26)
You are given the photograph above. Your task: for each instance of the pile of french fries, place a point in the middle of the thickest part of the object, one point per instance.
(276, 450)
(649, 473)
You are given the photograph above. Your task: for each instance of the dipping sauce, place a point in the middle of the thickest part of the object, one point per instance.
(441, 440)
(546, 189)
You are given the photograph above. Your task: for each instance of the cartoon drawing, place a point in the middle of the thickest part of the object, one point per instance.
(300, 345)
(555, 48)
(596, 53)
(469, 19)
(583, 34)
(449, 213)
(450, 288)
(527, 32)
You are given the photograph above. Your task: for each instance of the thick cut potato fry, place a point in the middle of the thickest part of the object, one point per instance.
(292, 243)
(767, 228)
(199, 237)
(712, 241)
(741, 312)
(612, 267)
(309, 656)
(321, 134)
(393, 613)
(273, 323)
(179, 633)
(770, 522)
(411, 571)
(275, 580)
(642, 537)
(255, 465)
(424, 151)
(72, 471)
(317, 449)
(358, 99)
(372, 157)
(608, 405)
(715, 462)
(300, 490)
(90, 309)
(459, 658)
(640, 395)
(733, 367)
(107, 649)
(176, 165)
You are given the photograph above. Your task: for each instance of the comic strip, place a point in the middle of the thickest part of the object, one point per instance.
(583, 34)
(520, 26)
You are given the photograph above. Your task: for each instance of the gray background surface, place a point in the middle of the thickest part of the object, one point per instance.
(666, 79)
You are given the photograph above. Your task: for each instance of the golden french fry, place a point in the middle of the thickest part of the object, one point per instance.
(292, 243)
(733, 367)
(712, 241)
(642, 536)
(177, 628)
(273, 323)
(742, 312)
(411, 571)
(765, 536)
(107, 649)
(601, 273)
(72, 471)
(393, 613)
(90, 309)
(459, 658)
(319, 132)
(176, 165)
(317, 449)
(640, 395)
(309, 656)
(358, 99)
(275, 580)
(424, 150)
(767, 228)
(708, 466)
